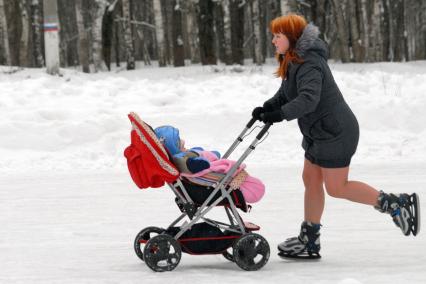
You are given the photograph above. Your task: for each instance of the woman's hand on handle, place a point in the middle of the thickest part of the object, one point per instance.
(271, 116)
(257, 112)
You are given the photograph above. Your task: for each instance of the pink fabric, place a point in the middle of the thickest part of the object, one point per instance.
(252, 188)
(210, 156)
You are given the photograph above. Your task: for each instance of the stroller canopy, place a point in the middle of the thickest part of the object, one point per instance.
(147, 160)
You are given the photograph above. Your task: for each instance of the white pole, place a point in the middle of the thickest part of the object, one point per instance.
(51, 36)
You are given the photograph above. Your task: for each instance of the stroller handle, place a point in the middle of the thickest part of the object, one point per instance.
(251, 122)
(240, 137)
(263, 131)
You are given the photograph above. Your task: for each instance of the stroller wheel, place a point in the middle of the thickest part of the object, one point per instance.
(228, 255)
(143, 237)
(251, 251)
(162, 253)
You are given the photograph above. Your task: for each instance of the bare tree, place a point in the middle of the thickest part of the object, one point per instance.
(356, 41)
(192, 29)
(159, 33)
(398, 8)
(206, 32)
(366, 30)
(377, 32)
(178, 48)
(98, 11)
(36, 32)
(285, 7)
(130, 56)
(219, 30)
(83, 50)
(227, 31)
(237, 31)
(4, 34)
(256, 31)
(341, 30)
(23, 45)
(108, 33)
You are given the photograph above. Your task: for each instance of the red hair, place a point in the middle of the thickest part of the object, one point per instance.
(292, 27)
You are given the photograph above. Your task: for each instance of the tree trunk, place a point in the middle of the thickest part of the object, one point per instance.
(355, 35)
(220, 31)
(168, 16)
(117, 31)
(96, 31)
(341, 31)
(159, 32)
(256, 30)
(206, 32)
(83, 50)
(278, 8)
(263, 31)
(192, 28)
(399, 29)
(237, 31)
(23, 45)
(391, 30)
(128, 38)
(285, 7)
(423, 28)
(227, 31)
(179, 52)
(37, 39)
(366, 31)
(405, 31)
(249, 42)
(5, 34)
(107, 31)
(377, 37)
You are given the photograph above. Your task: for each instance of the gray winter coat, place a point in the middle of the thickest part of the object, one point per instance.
(310, 94)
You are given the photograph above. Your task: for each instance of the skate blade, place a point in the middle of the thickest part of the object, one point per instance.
(416, 204)
(304, 256)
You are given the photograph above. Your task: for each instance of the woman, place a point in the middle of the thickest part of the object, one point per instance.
(330, 135)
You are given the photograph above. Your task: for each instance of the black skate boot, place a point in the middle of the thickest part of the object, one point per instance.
(403, 208)
(306, 245)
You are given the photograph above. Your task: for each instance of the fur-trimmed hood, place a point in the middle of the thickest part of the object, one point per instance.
(309, 41)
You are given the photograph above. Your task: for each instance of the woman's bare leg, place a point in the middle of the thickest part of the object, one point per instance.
(314, 192)
(337, 185)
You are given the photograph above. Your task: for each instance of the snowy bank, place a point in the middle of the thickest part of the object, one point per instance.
(78, 121)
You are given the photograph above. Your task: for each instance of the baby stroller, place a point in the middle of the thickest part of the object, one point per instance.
(161, 249)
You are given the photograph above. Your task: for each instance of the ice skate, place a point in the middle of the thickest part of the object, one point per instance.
(404, 209)
(305, 246)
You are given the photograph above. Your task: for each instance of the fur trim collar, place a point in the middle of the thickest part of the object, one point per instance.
(307, 39)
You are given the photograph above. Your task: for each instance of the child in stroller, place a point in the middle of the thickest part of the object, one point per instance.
(206, 167)
(150, 165)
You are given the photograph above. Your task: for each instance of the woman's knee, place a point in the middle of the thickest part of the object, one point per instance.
(335, 181)
(312, 180)
(334, 189)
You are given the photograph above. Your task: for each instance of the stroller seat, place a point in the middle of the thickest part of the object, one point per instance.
(150, 166)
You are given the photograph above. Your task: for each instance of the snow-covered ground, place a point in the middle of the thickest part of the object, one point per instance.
(69, 211)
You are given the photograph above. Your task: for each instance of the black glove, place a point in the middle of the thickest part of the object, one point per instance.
(271, 116)
(267, 106)
(257, 111)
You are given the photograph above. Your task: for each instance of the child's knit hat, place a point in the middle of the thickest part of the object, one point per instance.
(169, 136)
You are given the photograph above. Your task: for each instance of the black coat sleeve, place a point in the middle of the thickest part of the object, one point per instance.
(278, 100)
(309, 82)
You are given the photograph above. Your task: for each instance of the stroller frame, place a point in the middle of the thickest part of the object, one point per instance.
(246, 245)
(188, 204)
